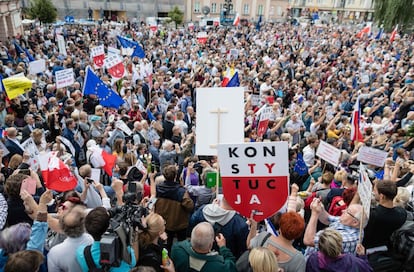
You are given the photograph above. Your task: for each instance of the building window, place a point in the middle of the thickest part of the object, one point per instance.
(214, 8)
(197, 7)
(246, 9)
(260, 10)
(221, 8)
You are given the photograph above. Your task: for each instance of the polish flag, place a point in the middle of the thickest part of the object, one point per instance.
(356, 134)
(102, 159)
(115, 66)
(393, 34)
(236, 20)
(365, 30)
(226, 78)
(98, 55)
(56, 174)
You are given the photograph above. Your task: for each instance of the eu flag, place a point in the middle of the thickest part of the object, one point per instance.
(106, 96)
(126, 43)
(234, 81)
(300, 166)
(20, 50)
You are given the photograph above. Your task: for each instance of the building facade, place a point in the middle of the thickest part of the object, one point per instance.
(336, 10)
(273, 10)
(10, 19)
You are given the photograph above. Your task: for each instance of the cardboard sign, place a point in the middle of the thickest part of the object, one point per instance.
(31, 148)
(365, 189)
(329, 153)
(64, 78)
(220, 117)
(255, 177)
(37, 66)
(372, 156)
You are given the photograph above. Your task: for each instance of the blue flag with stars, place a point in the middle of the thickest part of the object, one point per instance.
(300, 166)
(94, 85)
(126, 43)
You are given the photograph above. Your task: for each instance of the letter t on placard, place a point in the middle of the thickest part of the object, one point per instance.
(218, 111)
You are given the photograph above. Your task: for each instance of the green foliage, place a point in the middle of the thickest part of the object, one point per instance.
(393, 12)
(44, 10)
(176, 16)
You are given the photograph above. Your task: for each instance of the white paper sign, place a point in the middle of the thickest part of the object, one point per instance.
(220, 118)
(372, 156)
(64, 78)
(113, 51)
(31, 148)
(266, 113)
(61, 44)
(37, 66)
(365, 190)
(329, 153)
(122, 126)
(141, 167)
(255, 98)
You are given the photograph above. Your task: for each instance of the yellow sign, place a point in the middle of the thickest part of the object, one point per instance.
(16, 86)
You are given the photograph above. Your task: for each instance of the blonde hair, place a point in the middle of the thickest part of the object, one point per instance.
(155, 227)
(340, 175)
(402, 197)
(262, 259)
(330, 243)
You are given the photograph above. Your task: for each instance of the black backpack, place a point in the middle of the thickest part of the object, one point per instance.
(402, 245)
(89, 260)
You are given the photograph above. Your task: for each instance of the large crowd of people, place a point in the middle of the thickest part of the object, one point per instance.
(156, 195)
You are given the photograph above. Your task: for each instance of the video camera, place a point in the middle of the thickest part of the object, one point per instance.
(124, 220)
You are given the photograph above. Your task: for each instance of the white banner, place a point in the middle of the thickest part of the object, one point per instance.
(61, 45)
(31, 148)
(112, 60)
(37, 66)
(372, 156)
(113, 51)
(64, 78)
(329, 153)
(365, 189)
(97, 51)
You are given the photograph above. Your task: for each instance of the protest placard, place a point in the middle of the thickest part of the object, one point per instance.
(329, 153)
(372, 156)
(64, 78)
(30, 147)
(365, 189)
(122, 126)
(37, 66)
(220, 118)
(113, 51)
(255, 177)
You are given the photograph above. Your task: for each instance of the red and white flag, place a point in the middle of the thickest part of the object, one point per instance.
(366, 30)
(202, 37)
(98, 55)
(102, 159)
(115, 66)
(236, 20)
(56, 174)
(356, 134)
(393, 34)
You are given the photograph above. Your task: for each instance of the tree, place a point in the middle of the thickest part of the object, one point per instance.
(176, 16)
(390, 13)
(44, 10)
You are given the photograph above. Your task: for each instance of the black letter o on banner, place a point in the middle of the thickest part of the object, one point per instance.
(250, 154)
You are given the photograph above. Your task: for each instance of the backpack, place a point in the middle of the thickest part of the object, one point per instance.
(89, 260)
(402, 245)
(337, 206)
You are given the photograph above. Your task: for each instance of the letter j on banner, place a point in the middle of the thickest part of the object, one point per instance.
(255, 177)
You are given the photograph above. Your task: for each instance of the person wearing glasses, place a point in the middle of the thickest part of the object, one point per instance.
(347, 225)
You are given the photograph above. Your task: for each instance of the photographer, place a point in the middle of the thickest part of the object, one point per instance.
(97, 223)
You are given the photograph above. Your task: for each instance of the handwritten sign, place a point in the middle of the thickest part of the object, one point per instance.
(37, 66)
(329, 153)
(64, 78)
(31, 148)
(255, 177)
(365, 189)
(372, 156)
